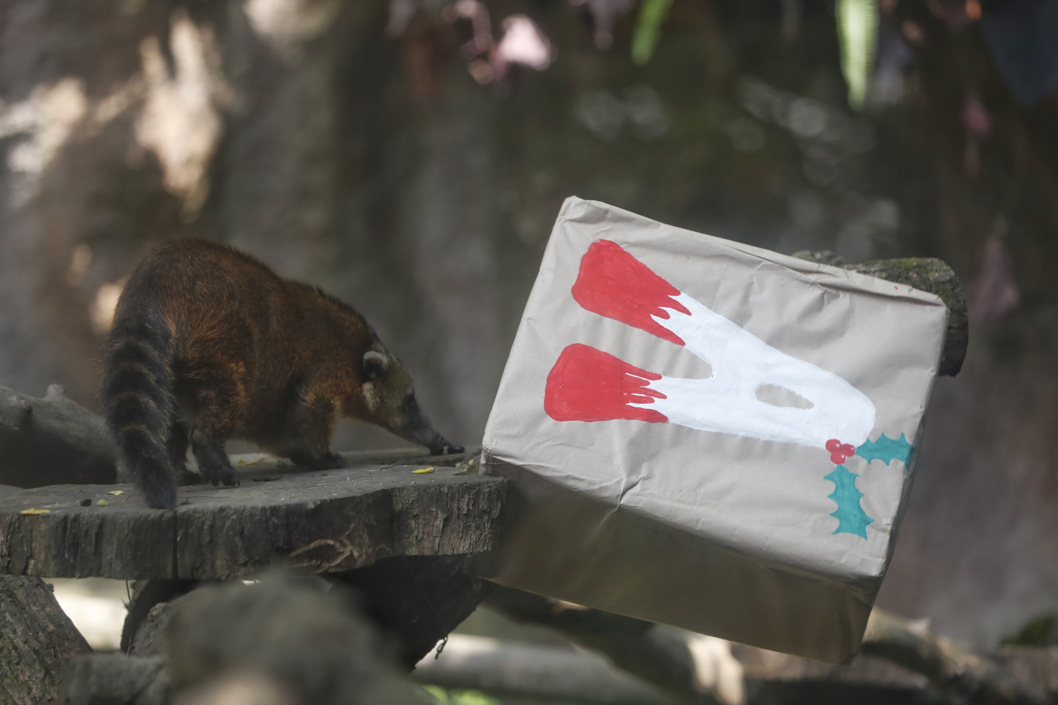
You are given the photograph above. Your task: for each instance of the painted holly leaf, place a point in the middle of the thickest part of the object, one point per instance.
(850, 515)
(886, 449)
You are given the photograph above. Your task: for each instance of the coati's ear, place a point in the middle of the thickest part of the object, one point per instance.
(375, 364)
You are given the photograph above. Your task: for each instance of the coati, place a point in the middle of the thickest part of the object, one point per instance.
(209, 344)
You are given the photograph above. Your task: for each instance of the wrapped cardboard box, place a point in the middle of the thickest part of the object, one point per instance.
(707, 434)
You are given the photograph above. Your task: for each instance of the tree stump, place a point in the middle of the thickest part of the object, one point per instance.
(317, 521)
(402, 506)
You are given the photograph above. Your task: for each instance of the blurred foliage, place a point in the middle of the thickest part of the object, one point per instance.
(857, 22)
(1042, 631)
(652, 14)
(458, 697)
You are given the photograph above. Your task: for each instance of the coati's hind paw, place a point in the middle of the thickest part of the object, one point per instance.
(213, 462)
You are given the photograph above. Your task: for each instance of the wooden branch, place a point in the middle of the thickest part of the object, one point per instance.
(548, 672)
(895, 658)
(536, 673)
(116, 679)
(659, 656)
(51, 441)
(963, 674)
(316, 521)
(36, 640)
(926, 274)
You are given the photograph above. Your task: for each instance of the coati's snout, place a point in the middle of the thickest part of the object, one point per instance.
(389, 395)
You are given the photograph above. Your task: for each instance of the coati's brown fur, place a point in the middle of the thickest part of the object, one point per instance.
(209, 344)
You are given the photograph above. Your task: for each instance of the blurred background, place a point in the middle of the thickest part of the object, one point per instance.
(411, 156)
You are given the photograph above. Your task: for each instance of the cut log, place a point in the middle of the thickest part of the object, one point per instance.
(314, 521)
(36, 640)
(51, 441)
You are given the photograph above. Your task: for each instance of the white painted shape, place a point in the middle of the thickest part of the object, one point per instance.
(741, 362)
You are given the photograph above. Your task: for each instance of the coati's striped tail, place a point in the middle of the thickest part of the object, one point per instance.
(137, 400)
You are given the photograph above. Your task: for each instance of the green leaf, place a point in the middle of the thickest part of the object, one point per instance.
(652, 14)
(857, 33)
(886, 449)
(850, 515)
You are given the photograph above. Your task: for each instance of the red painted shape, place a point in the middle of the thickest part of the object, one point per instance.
(839, 452)
(615, 284)
(587, 384)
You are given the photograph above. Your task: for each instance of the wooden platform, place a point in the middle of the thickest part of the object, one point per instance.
(321, 521)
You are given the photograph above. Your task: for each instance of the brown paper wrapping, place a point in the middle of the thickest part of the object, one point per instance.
(728, 528)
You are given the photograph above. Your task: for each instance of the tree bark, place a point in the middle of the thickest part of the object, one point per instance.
(36, 640)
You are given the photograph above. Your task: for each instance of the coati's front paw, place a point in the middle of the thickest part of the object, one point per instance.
(218, 475)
